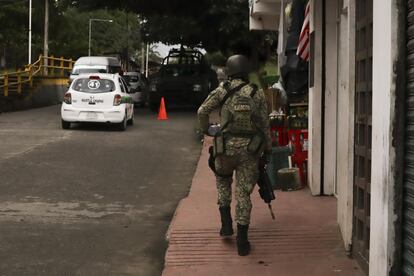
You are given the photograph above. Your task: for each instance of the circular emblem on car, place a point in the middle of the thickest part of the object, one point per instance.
(94, 84)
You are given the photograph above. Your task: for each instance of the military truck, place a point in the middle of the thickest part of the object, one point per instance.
(184, 79)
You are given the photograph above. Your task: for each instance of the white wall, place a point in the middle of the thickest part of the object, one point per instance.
(339, 109)
(315, 103)
(345, 118)
(331, 96)
(383, 154)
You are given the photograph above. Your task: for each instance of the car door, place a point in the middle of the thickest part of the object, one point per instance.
(130, 99)
(127, 97)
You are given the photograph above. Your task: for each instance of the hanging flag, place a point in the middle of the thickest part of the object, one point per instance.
(303, 47)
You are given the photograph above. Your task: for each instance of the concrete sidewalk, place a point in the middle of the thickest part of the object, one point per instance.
(303, 240)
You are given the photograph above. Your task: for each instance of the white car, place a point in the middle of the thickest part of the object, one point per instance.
(138, 86)
(101, 98)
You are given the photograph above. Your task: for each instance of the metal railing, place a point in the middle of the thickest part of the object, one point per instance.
(44, 66)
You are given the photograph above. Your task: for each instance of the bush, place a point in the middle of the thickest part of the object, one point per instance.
(270, 80)
(216, 58)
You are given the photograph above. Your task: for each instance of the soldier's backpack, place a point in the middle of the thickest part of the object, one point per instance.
(239, 111)
(238, 119)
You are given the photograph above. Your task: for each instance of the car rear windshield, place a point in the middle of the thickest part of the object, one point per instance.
(131, 78)
(93, 85)
(88, 71)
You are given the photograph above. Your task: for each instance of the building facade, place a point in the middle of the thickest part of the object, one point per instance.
(361, 125)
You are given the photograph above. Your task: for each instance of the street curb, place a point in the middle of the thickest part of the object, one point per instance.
(180, 203)
(168, 234)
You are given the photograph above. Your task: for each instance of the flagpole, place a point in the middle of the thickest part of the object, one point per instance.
(30, 32)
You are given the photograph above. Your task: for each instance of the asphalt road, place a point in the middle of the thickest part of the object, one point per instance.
(91, 200)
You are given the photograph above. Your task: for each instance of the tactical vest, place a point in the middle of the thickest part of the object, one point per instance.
(239, 113)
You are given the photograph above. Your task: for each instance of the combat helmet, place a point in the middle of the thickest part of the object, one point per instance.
(237, 66)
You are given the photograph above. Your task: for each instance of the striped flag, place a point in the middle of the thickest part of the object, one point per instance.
(303, 47)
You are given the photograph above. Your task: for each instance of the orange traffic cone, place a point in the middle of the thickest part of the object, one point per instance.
(162, 114)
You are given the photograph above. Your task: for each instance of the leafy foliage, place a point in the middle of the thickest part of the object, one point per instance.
(14, 31)
(215, 25)
(68, 31)
(216, 58)
(120, 36)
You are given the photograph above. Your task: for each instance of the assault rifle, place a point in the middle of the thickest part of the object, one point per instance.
(265, 187)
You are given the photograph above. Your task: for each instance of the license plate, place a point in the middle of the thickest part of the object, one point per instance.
(91, 115)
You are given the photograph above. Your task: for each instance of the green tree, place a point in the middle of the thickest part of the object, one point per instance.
(68, 32)
(215, 25)
(121, 36)
(14, 32)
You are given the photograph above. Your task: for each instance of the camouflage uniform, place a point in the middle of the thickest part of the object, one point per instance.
(236, 156)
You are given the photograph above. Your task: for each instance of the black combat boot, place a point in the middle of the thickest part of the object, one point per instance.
(243, 245)
(226, 222)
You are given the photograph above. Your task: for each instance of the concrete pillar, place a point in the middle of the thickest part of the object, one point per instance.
(385, 52)
(315, 101)
(331, 97)
(345, 120)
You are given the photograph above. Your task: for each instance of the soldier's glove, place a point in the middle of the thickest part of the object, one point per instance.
(266, 156)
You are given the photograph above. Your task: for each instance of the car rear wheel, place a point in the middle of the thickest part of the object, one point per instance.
(131, 121)
(65, 125)
(123, 125)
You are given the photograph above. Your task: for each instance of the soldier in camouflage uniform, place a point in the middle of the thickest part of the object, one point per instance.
(237, 155)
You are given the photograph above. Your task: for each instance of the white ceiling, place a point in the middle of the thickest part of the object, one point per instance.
(264, 14)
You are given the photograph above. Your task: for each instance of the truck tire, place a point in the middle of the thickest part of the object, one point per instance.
(153, 107)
